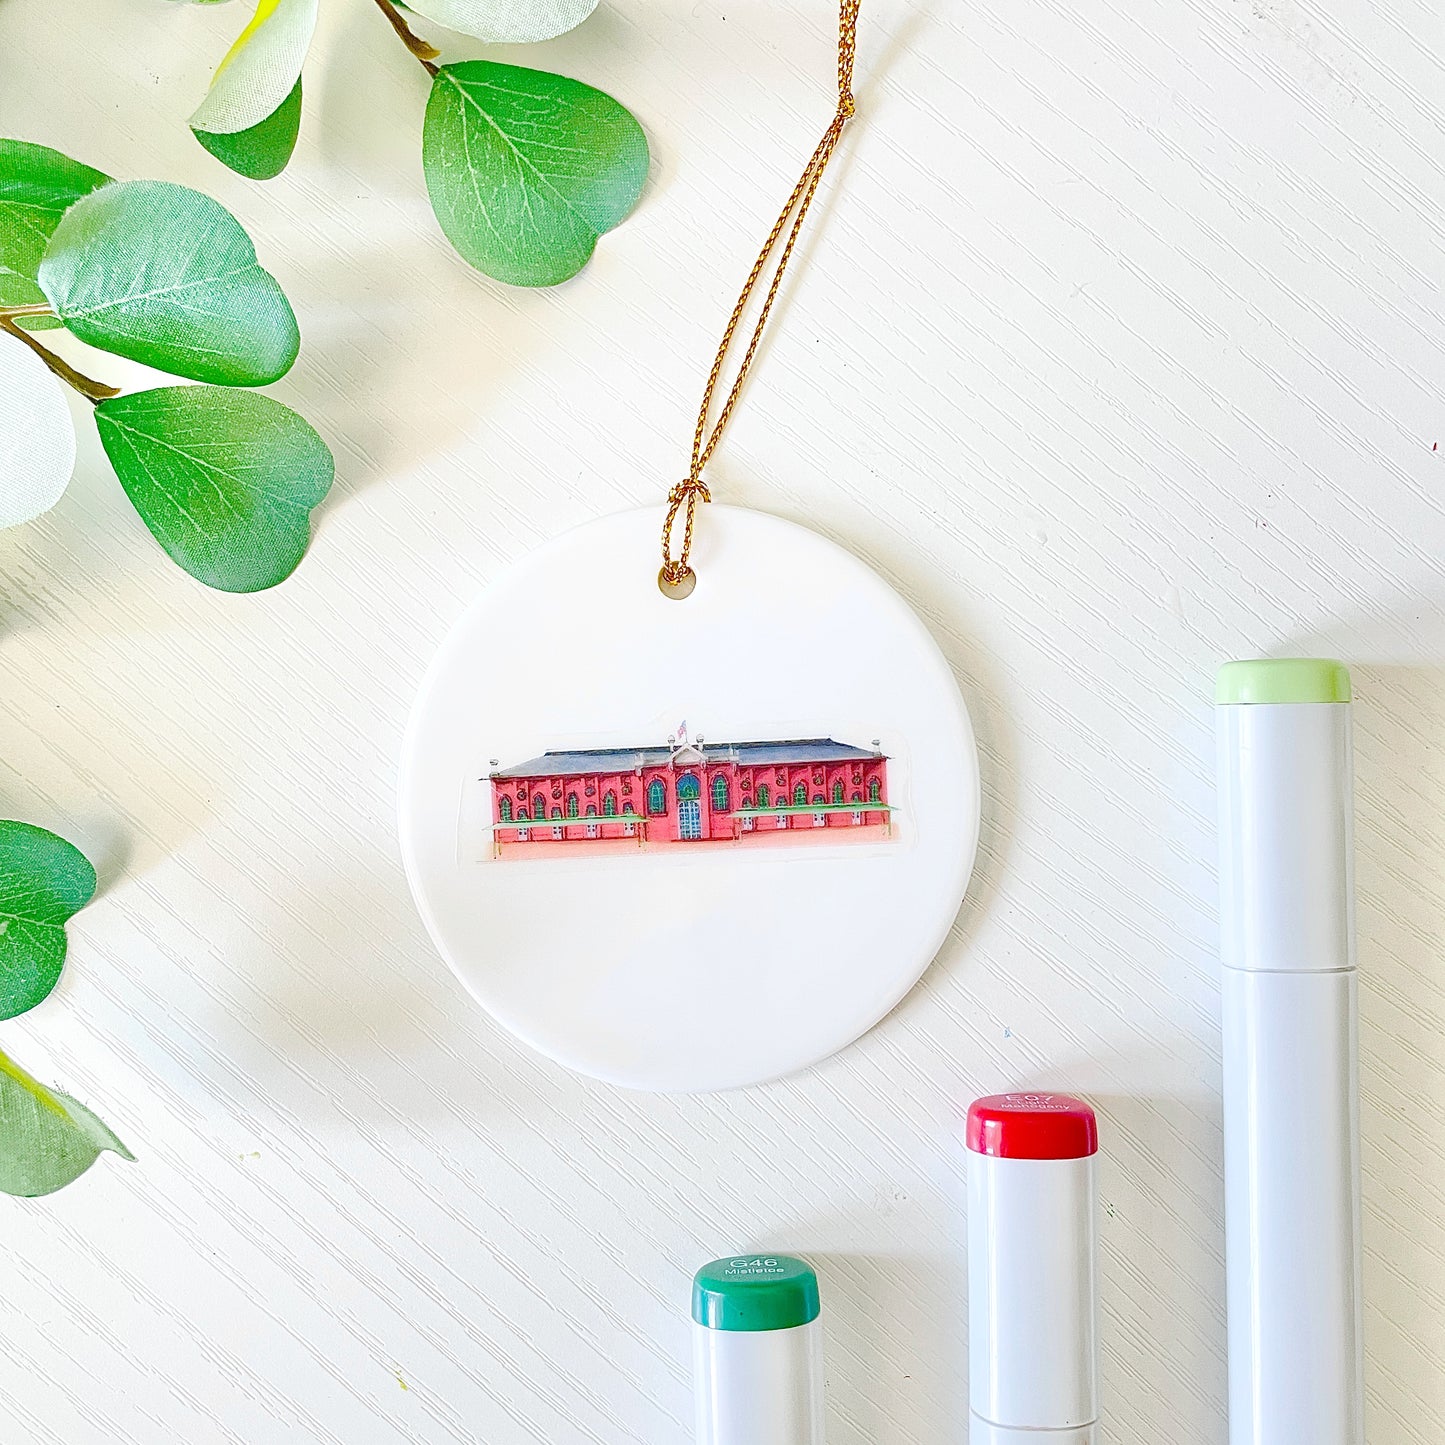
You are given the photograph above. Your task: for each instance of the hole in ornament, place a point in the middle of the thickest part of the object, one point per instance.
(679, 589)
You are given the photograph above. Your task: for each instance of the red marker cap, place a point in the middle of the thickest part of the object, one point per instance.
(1032, 1126)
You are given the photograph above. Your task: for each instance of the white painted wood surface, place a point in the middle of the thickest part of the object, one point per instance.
(1119, 351)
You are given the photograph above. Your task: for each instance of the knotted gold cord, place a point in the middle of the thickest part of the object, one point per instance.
(692, 489)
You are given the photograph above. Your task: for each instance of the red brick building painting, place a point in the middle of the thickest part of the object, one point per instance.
(692, 792)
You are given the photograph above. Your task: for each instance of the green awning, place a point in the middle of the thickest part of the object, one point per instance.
(586, 820)
(798, 808)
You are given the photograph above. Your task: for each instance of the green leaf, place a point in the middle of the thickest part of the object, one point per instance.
(262, 151)
(254, 81)
(47, 1139)
(37, 186)
(225, 480)
(166, 276)
(44, 882)
(527, 170)
(507, 22)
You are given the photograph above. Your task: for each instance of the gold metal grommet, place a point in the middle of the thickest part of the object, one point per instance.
(679, 589)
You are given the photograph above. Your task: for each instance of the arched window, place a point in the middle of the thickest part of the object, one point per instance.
(657, 797)
(800, 795)
(857, 797)
(628, 811)
(522, 815)
(609, 805)
(874, 789)
(556, 812)
(838, 791)
(571, 805)
(591, 810)
(764, 796)
(719, 793)
(539, 806)
(747, 802)
(819, 798)
(688, 786)
(504, 810)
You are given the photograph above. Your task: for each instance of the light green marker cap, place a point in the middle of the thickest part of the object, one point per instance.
(753, 1292)
(1283, 679)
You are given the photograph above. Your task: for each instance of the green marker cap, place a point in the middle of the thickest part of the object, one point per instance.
(752, 1292)
(1283, 679)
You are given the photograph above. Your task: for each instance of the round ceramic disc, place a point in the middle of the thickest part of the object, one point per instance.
(689, 845)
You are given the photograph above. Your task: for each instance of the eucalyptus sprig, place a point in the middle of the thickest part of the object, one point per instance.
(526, 170)
(47, 1139)
(160, 274)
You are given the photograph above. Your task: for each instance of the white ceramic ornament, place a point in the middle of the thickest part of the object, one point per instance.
(761, 803)
(37, 435)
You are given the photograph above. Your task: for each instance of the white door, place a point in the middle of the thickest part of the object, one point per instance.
(689, 818)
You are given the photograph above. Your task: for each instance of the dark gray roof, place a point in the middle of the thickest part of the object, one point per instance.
(568, 761)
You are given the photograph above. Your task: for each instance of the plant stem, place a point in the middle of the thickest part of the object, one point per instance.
(413, 42)
(92, 391)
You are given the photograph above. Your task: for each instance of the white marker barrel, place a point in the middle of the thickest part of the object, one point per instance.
(757, 1352)
(1031, 1270)
(1291, 1093)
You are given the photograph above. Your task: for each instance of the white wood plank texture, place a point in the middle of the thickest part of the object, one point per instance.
(1119, 351)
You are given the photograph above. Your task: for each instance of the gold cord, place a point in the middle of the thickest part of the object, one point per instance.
(692, 489)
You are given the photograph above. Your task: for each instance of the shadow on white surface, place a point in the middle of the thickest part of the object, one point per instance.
(1400, 850)
(877, 1308)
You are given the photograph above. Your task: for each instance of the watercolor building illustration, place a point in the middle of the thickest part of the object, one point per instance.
(692, 792)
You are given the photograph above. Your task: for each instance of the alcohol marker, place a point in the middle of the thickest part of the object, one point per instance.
(1031, 1270)
(757, 1352)
(1291, 1095)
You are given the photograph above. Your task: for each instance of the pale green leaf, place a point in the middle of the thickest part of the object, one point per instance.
(507, 22)
(260, 70)
(225, 480)
(166, 276)
(47, 1139)
(37, 435)
(526, 170)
